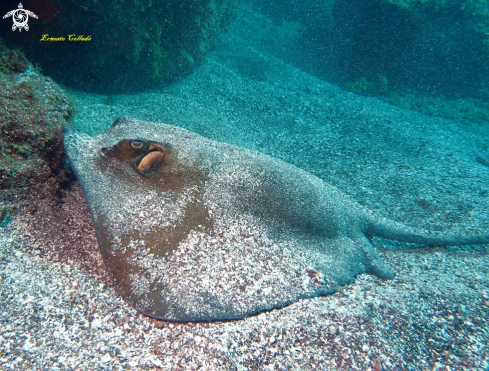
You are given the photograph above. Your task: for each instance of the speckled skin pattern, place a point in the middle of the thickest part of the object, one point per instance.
(215, 231)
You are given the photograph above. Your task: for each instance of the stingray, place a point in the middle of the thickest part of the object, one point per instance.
(191, 229)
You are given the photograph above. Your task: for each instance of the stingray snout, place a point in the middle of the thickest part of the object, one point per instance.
(106, 152)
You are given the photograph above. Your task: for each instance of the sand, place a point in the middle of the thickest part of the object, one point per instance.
(58, 309)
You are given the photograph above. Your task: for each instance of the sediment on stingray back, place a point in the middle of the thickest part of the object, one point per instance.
(195, 230)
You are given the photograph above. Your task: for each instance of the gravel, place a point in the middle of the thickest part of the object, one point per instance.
(59, 310)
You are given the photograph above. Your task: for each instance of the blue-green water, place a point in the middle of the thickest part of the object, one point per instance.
(388, 102)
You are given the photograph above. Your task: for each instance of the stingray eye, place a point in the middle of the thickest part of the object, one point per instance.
(137, 144)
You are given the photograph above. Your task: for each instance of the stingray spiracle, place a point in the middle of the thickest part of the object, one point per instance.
(151, 161)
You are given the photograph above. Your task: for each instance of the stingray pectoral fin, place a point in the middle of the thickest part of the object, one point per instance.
(374, 263)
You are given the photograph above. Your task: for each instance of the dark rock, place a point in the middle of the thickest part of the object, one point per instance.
(431, 47)
(34, 110)
(13, 61)
(133, 45)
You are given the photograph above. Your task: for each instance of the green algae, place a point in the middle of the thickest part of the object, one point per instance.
(156, 51)
(368, 87)
(4, 216)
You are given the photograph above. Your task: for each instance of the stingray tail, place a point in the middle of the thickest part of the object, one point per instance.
(389, 229)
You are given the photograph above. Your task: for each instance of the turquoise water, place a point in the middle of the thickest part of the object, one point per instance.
(386, 101)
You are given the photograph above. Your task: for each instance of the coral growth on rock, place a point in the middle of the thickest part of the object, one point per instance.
(34, 110)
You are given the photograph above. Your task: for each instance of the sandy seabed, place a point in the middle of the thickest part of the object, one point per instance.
(58, 308)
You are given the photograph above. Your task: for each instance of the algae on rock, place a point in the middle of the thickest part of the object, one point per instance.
(134, 45)
(34, 111)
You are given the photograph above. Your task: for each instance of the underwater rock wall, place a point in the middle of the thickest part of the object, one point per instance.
(432, 46)
(33, 111)
(133, 45)
(429, 46)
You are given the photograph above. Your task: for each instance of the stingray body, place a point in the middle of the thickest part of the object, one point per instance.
(192, 229)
